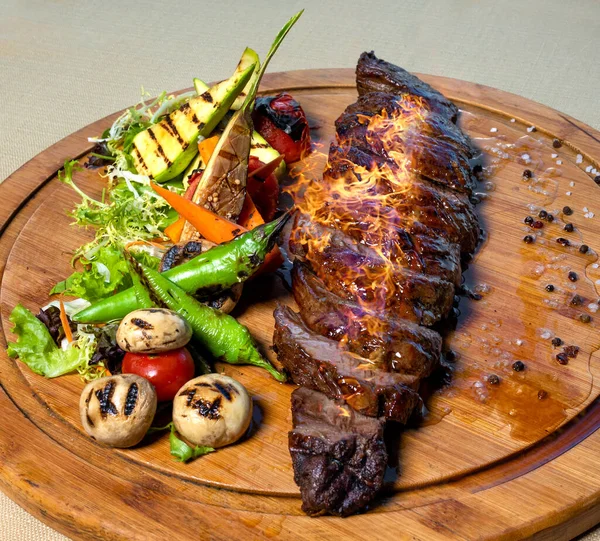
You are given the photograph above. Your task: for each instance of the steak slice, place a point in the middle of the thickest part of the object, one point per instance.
(405, 110)
(417, 297)
(394, 344)
(422, 208)
(318, 363)
(339, 456)
(414, 252)
(375, 75)
(441, 162)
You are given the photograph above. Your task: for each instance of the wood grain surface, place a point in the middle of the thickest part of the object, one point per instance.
(489, 461)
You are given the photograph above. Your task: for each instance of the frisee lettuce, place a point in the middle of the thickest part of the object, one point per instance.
(36, 348)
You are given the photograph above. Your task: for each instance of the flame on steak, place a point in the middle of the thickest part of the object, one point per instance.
(366, 203)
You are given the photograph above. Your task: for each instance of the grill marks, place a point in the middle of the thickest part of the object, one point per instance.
(171, 129)
(104, 396)
(159, 149)
(131, 399)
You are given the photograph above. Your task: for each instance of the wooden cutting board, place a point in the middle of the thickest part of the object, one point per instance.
(510, 460)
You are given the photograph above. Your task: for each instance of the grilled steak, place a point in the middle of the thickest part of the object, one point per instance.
(318, 363)
(377, 248)
(339, 455)
(394, 344)
(375, 75)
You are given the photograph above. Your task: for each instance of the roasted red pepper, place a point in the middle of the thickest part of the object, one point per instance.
(282, 122)
(263, 189)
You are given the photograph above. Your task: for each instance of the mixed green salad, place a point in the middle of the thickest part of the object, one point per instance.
(187, 215)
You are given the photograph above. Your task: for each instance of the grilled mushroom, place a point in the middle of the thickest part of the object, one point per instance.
(213, 410)
(118, 410)
(153, 330)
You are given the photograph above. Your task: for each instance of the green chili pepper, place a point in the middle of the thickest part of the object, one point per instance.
(215, 270)
(219, 333)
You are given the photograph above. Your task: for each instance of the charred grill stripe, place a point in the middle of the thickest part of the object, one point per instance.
(131, 400)
(173, 130)
(159, 149)
(190, 393)
(207, 96)
(208, 409)
(89, 419)
(104, 396)
(186, 109)
(225, 390)
(136, 153)
(227, 155)
(141, 323)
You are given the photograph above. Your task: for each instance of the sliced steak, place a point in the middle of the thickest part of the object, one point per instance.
(318, 363)
(422, 208)
(339, 456)
(375, 75)
(415, 296)
(408, 111)
(394, 344)
(419, 252)
(439, 161)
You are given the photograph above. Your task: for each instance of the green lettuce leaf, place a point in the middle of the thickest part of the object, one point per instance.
(36, 348)
(103, 274)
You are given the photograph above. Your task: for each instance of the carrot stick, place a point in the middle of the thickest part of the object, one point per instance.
(65, 321)
(249, 216)
(213, 227)
(174, 230)
(207, 147)
(208, 224)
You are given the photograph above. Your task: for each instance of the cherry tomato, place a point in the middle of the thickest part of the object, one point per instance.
(167, 371)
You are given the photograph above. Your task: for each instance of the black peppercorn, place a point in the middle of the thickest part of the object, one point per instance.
(542, 394)
(550, 288)
(493, 379)
(569, 228)
(556, 342)
(597, 179)
(451, 356)
(537, 224)
(477, 168)
(562, 241)
(518, 366)
(571, 351)
(528, 173)
(567, 211)
(556, 143)
(573, 276)
(585, 318)
(550, 218)
(577, 300)
(542, 214)
(562, 358)
(584, 248)
(528, 220)
(532, 129)
(528, 239)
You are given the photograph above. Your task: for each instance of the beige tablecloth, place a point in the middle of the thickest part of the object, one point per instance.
(66, 63)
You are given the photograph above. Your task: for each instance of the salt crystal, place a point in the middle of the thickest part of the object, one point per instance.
(594, 171)
(525, 156)
(519, 342)
(513, 120)
(571, 184)
(589, 215)
(593, 307)
(595, 265)
(579, 159)
(569, 194)
(531, 128)
(588, 168)
(545, 334)
(558, 162)
(585, 209)
(493, 130)
(554, 156)
(597, 282)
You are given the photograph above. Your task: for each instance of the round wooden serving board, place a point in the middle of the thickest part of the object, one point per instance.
(511, 460)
